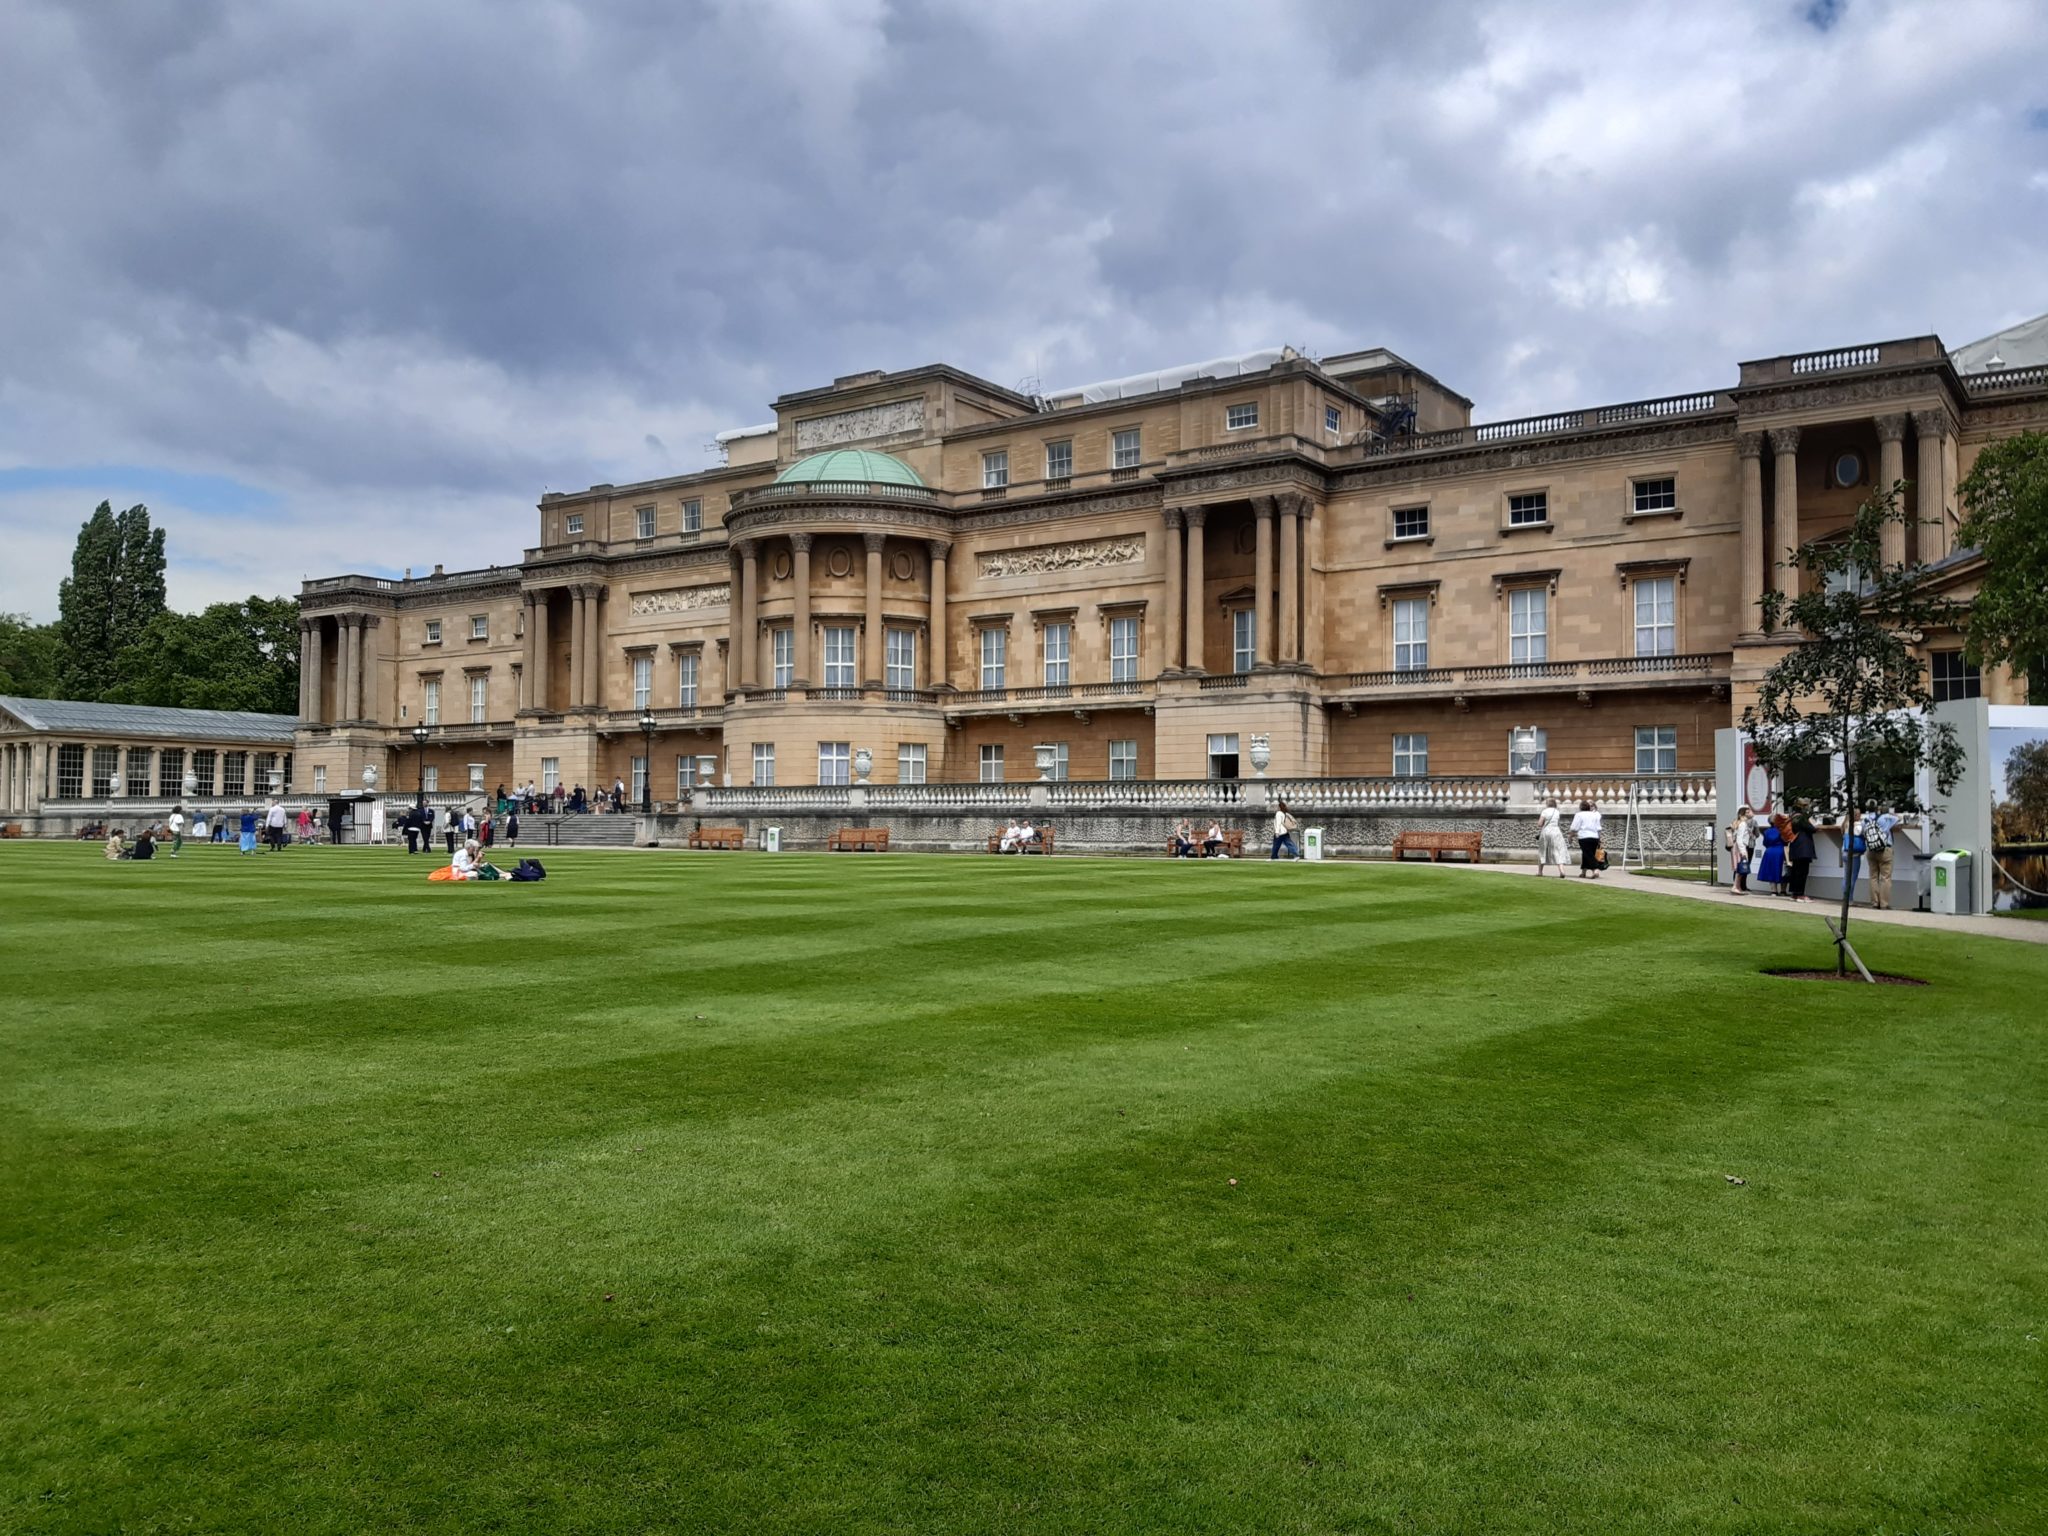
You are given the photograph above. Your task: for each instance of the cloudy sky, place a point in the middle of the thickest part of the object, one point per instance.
(345, 287)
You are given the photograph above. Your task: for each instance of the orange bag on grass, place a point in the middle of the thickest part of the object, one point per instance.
(445, 872)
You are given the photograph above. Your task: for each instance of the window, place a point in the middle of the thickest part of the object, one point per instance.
(1241, 622)
(286, 778)
(693, 516)
(1538, 761)
(550, 774)
(1223, 756)
(1657, 616)
(1123, 650)
(1955, 677)
(1411, 633)
(433, 631)
(71, 771)
(138, 772)
(835, 762)
(1411, 757)
(106, 764)
(574, 526)
(1656, 749)
(1059, 647)
(203, 764)
(1333, 420)
(1059, 760)
(1411, 522)
(476, 778)
(910, 762)
(430, 709)
(1528, 625)
(1528, 509)
(643, 522)
(782, 654)
(995, 470)
(1239, 417)
(1059, 461)
(1123, 759)
(266, 773)
(479, 626)
(1124, 449)
(839, 662)
(638, 781)
(320, 778)
(686, 775)
(995, 645)
(1652, 496)
(479, 699)
(170, 771)
(686, 679)
(991, 763)
(899, 659)
(430, 778)
(643, 683)
(764, 763)
(234, 774)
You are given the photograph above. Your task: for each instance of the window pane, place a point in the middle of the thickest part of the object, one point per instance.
(693, 517)
(1656, 495)
(1411, 756)
(1058, 655)
(550, 774)
(994, 643)
(835, 762)
(1123, 650)
(764, 763)
(1657, 616)
(1529, 507)
(1411, 522)
(643, 682)
(1411, 633)
(900, 670)
(839, 657)
(1241, 416)
(782, 651)
(643, 522)
(910, 762)
(995, 470)
(1124, 449)
(1241, 640)
(991, 764)
(1059, 461)
(1123, 759)
(686, 680)
(1528, 639)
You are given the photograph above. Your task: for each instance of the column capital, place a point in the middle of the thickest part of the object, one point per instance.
(1194, 516)
(1262, 508)
(1784, 440)
(940, 549)
(1172, 517)
(1749, 445)
(368, 620)
(1296, 504)
(874, 542)
(800, 543)
(1890, 429)
(1934, 423)
(746, 549)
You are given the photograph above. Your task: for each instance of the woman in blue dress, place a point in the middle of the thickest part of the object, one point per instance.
(1771, 869)
(248, 832)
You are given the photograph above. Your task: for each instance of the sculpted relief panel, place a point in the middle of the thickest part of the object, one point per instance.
(1123, 549)
(682, 599)
(869, 422)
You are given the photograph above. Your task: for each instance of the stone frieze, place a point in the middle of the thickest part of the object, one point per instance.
(890, 419)
(1081, 554)
(682, 599)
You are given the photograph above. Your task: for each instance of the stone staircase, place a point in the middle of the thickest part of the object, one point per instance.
(537, 832)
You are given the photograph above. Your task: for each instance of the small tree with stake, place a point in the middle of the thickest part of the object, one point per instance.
(1853, 691)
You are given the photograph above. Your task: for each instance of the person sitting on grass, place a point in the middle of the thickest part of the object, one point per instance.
(117, 848)
(145, 844)
(470, 863)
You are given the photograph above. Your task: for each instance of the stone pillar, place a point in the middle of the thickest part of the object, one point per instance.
(1931, 428)
(1288, 651)
(1785, 509)
(800, 618)
(1750, 446)
(937, 669)
(1194, 603)
(1171, 646)
(594, 656)
(871, 652)
(1262, 581)
(747, 643)
(352, 670)
(537, 686)
(312, 662)
(579, 617)
(366, 671)
(522, 700)
(1891, 469)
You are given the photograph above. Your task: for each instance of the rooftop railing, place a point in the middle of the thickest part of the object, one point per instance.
(1597, 418)
(1700, 664)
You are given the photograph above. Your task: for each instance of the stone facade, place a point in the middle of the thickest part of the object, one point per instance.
(1327, 554)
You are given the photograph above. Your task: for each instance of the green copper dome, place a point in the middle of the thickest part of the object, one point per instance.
(857, 465)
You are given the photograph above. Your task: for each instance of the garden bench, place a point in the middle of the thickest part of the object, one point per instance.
(1233, 845)
(718, 837)
(1042, 844)
(1437, 844)
(858, 840)
(11, 829)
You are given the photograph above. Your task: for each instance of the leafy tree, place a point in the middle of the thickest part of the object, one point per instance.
(2022, 816)
(1854, 689)
(28, 657)
(2005, 514)
(116, 587)
(231, 656)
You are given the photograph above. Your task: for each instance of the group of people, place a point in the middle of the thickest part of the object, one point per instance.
(459, 826)
(1584, 827)
(1775, 854)
(561, 801)
(1018, 837)
(268, 824)
(1214, 842)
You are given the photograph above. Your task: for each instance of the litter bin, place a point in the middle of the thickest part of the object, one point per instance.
(1953, 887)
(1312, 843)
(771, 839)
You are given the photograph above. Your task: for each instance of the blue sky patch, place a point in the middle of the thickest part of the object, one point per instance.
(126, 484)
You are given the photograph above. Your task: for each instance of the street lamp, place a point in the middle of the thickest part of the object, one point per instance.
(420, 733)
(647, 724)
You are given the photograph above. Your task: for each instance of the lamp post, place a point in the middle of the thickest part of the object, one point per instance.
(647, 724)
(420, 733)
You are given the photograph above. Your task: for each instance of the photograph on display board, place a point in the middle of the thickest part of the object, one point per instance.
(2019, 809)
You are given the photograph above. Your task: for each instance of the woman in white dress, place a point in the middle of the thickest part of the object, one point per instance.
(1550, 849)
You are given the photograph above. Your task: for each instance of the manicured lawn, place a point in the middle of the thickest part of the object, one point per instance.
(736, 1193)
(1698, 873)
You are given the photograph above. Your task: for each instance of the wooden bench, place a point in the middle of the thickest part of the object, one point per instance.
(11, 829)
(858, 840)
(1233, 845)
(718, 837)
(1437, 844)
(1041, 844)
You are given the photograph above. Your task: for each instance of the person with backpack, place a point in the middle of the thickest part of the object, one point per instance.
(1283, 832)
(1586, 831)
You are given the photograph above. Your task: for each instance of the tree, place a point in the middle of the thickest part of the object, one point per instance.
(116, 587)
(2005, 502)
(2022, 816)
(231, 656)
(1853, 691)
(28, 657)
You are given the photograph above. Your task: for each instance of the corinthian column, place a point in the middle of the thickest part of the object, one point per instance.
(593, 664)
(747, 643)
(871, 668)
(800, 619)
(1785, 508)
(1289, 648)
(1891, 469)
(1171, 645)
(1262, 581)
(1196, 605)
(1931, 428)
(938, 667)
(311, 661)
(366, 669)
(543, 658)
(579, 622)
(352, 667)
(1750, 446)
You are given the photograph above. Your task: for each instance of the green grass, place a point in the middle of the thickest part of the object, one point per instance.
(1701, 874)
(734, 1193)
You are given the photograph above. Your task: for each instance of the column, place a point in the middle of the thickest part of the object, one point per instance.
(1194, 603)
(366, 670)
(747, 643)
(593, 639)
(1288, 651)
(1262, 581)
(1931, 428)
(1785, 510)
(1750, 445)
(800, 619)
(871, 669)
(936, 665)
(305, 627)
(1171, 645)
(537, 688)
(579, 616)
(352, 667)
(1891, 469)
(312, 662)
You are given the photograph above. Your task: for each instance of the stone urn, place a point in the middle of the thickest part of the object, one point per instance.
(1262, 754)
(1047, 755)
(370, 778)
(190, 785)
(863, 764)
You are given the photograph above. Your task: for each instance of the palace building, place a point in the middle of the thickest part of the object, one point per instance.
(1143, 575)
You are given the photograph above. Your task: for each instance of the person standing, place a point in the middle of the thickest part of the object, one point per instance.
(1769, 868)
(409, 824)
(305, 824)
(1586, 832)
(512, 828)
(1741, 847)
(274, 823)
(1855, 844)
(1800, 854)
(177, 826)
(1283, 833)
(1550, 848)
(1877, 834)
(248, 831)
